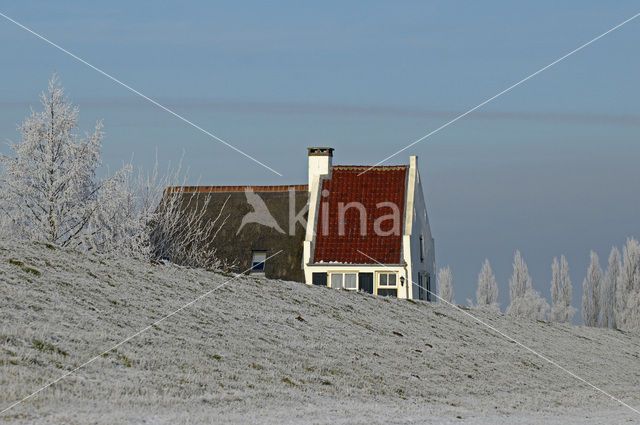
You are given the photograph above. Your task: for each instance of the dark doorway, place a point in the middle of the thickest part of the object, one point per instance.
(365, 281)
(319, 279)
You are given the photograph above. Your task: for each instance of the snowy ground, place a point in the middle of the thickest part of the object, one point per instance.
(259, 351)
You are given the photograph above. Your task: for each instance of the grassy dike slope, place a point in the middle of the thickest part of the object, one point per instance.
(261, 351)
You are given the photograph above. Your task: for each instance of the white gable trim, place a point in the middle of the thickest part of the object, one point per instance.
(409, 210)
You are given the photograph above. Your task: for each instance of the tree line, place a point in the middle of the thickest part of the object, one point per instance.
(609, 300)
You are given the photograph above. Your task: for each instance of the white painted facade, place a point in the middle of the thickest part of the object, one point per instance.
(418, 246)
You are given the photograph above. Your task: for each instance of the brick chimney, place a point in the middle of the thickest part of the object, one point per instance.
(320, 161)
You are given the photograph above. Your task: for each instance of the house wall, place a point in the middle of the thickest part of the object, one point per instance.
(400, 269)
(417, 226)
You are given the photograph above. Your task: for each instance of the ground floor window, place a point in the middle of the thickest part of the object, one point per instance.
(387, 279)
(319, 279)
(257, 261)
(346, 280)
(387, 284)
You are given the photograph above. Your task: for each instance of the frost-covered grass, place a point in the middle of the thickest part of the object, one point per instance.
(260, 351)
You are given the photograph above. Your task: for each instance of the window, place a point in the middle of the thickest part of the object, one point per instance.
(350, 281)
(344, 280)
(336, 280)
(421, 248)
(387, 284)
(257, 262)
(387, 279)
(319, 279)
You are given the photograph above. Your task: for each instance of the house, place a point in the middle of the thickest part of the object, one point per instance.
(357, 228)
(368, 228)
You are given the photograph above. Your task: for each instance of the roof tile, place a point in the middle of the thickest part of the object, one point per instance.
(378, 184)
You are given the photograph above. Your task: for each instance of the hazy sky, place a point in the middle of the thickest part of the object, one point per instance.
(550, 168)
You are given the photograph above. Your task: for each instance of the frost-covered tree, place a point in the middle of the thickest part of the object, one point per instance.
(48, 186)
(561, 292)
(487, 292)
(587, 303)
(49, 191)
(567, 290)
(520, 280)
(525, 301)
(609, 289)
(151, 216)
(591, 292)
(627, 308)
(445, 287)
(557, 304)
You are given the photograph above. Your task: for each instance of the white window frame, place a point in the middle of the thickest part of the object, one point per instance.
(342, 281)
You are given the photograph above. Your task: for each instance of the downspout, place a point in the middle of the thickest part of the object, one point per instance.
(407, 279)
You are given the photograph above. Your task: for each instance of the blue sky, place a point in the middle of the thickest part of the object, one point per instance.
(549, 168)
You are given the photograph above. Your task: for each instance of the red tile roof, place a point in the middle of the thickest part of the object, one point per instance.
(378, 184)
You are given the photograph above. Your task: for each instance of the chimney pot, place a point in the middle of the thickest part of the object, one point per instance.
(320, 151)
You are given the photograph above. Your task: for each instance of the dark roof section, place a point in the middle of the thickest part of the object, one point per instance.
(377, 184)
(237, 247)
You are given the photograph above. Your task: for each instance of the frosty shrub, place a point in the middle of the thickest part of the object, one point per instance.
(487, 292)
(531, 306)
(49, 191)
(182, 232)
(445, 288)
(140, 216)
(525, 301)
(561, 292)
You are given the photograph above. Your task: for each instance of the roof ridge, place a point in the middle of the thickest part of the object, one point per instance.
(374, 167)
(236, 188)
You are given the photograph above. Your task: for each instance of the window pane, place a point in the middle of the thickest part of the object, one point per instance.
(319, 279)
(392, 279)
(336, 280)
(389, 292)
(257, 262)
(350, 281)
(383, 279)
